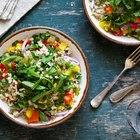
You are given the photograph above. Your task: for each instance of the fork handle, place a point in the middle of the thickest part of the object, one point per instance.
(97, 100)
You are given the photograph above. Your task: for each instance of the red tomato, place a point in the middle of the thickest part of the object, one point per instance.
(21, 41)
(68, 97)
(5, 73)
(55, 44)
(117, 33)
(46, 43)
(28, 42)
(2, 67)
(13, 65)
(70, 92)
(134, 26)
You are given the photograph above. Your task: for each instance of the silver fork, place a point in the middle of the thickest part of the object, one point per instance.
(130, 62)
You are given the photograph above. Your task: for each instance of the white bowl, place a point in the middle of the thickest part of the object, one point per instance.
(76, 53)
(129, 41)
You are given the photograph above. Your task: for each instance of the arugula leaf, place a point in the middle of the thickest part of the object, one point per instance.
(117, 2)
(42, 94)
(42, 116)
(30, 85)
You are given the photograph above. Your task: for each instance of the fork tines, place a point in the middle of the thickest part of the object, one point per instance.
(135, 56)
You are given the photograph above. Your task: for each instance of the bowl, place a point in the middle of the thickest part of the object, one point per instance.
(77, 53)
(129, 41)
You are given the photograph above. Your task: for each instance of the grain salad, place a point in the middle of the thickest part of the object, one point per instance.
(119, 17)
(39, 80)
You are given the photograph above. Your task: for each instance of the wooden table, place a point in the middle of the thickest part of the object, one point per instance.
(106, 60)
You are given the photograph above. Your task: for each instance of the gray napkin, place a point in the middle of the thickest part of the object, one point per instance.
(21, 8)
(7, 9)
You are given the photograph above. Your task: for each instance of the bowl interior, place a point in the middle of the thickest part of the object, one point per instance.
(76, 53)
(117, 39)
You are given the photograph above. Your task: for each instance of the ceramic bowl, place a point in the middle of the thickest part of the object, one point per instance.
(76, 53)
(117, 39)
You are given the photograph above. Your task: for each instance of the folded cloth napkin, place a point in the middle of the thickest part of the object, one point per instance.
(7, 9)
(15, 9)
(3, 5)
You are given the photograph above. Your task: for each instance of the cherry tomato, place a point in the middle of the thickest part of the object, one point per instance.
(134, 26)
(21, 41)
(117, 33)
(55, 44)
(67, 99)
(46, 43)
(108, 9)
(2, 66)
(13, 65)
(28, 42)
(5, 73)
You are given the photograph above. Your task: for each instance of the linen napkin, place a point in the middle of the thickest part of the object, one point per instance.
(7, 9)
(20, 8)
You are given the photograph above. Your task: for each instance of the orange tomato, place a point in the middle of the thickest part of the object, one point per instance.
(68, 97)
(34, 117)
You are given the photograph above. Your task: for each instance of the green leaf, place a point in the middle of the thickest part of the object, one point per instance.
(36, 84)
(52, 70)
(137, 13)
(129, 4)
(33, 46)
(42, 94)
(117, 2)
(30, 85)
(15, 43)
(60, 83)
(10, 58)
(47, 34)
(42, 116)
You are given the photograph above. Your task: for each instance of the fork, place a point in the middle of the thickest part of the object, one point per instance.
(130, 62)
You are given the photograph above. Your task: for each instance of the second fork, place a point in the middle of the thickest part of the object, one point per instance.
(130, 62)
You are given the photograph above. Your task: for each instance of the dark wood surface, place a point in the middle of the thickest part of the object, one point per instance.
(105, 59)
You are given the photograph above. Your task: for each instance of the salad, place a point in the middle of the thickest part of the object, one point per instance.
(39, 80)
(119, 17)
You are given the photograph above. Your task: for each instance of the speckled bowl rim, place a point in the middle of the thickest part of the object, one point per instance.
(86, 66)
(107, 37)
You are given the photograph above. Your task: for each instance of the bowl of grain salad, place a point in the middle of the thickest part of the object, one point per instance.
(118, 21)
(44, 77)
